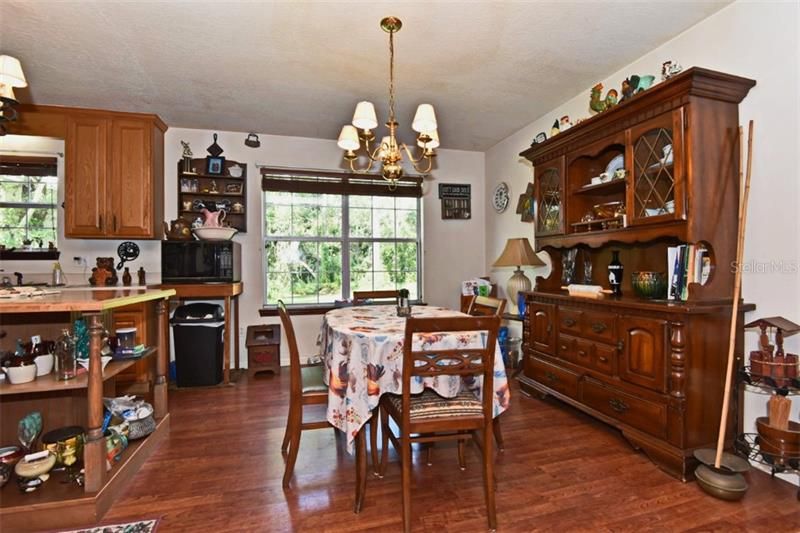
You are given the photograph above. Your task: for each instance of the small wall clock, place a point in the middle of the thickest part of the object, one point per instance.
(500, 197)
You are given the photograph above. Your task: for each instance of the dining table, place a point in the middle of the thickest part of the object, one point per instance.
(362, 349)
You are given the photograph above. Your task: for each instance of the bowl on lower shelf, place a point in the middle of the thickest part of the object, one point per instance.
(214, 234)
(650, 285)
(105, 359)
(782, 445)
(20, 374)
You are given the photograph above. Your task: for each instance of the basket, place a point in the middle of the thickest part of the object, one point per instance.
(138, 429)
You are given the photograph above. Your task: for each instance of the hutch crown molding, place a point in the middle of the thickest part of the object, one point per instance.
(652, 368)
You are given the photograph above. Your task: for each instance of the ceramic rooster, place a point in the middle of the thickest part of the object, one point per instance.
(598, 104)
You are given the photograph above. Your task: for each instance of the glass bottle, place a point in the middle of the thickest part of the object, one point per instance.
(126, 277)
(615, 270)
(66, 365)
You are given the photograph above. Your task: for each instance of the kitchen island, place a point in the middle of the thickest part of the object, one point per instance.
(79, 401)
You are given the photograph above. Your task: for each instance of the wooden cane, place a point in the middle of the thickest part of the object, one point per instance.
(737, 288)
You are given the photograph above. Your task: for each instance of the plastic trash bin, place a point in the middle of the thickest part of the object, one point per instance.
(198, 332)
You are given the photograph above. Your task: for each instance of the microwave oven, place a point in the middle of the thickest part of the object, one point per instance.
(201, 261)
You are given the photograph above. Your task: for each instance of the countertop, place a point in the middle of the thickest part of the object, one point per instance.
(94, 299)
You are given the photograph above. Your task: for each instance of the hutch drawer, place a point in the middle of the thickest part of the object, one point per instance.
(556, 378)
(647, 416)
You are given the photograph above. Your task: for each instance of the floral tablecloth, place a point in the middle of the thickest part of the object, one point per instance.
(363, 351)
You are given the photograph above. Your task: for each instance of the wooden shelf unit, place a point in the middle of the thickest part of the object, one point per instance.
(653, 369)
(236, 220)
(57, 505)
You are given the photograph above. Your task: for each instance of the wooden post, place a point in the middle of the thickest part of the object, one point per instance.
(94, 453)
(160, 387)
(226, 357)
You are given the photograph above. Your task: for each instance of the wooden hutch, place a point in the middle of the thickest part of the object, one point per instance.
(652, 368)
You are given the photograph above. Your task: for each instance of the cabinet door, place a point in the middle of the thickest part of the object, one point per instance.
(656, 186)
(131, 179)
(643, 346)
(542, 331)
(86, 172)
(549, 180)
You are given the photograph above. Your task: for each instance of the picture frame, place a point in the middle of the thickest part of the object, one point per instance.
(233, 188)
(215, 165)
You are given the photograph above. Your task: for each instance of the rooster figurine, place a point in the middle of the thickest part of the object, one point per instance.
(598, 104)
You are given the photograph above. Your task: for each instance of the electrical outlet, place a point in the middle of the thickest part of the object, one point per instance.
(79, 261)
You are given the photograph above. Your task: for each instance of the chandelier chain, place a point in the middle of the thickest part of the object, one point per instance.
(391, 77)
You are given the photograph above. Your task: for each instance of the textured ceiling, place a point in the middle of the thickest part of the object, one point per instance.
(298, 68)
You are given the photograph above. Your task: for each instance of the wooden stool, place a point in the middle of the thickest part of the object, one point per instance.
(263, 348)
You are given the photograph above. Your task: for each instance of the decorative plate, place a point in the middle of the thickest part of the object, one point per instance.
(500, 197)
(615, 164)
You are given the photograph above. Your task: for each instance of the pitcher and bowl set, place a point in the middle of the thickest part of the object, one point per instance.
(211, 230)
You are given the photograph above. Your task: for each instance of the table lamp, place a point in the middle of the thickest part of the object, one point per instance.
(518, 252)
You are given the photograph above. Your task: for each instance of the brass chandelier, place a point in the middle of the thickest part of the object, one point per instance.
(389, 152)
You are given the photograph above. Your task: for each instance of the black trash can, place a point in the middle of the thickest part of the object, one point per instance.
(198, 330)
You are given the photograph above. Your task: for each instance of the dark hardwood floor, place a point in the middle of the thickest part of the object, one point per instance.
(221, 468)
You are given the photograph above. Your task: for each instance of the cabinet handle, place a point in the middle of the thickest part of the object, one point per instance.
(550, 376)
(569, 322)
(114, 220)
(620, 345)
(603, 359)
(100, 220)
(549, 328)
(563, 347)
(581, 353)
(618, 405)
(599, 327)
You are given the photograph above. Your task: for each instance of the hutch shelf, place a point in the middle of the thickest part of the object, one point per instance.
(228, 192)
(652, 368)
(59, 503)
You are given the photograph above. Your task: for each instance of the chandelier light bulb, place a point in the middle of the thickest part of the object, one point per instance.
(364, 117)
(348, 138)
(424, 119)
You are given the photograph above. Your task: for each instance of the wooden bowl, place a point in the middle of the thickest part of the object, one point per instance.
(782, 445)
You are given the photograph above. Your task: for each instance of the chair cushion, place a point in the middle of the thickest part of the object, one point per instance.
(431, 405)
(311, 378)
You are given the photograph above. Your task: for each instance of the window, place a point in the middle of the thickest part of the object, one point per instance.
(28, 200)
(320, 247)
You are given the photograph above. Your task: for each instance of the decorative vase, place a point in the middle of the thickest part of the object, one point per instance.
(521, 304)
(615, 270)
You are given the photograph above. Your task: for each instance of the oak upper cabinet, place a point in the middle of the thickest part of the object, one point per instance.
(86, 172)
(114, 175)
(549, 182)
(643, 351)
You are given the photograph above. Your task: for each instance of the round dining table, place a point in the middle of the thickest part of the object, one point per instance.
(362, 347)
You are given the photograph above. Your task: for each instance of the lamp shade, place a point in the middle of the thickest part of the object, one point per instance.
(365, 117)
(425, 119)
(518, 252)
(11, 72)
(348, 138)
(433, 143)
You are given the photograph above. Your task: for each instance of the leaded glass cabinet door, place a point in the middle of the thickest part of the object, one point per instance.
(549, 179)
(656, 186)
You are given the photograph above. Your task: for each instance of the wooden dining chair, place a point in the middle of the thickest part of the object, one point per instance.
(306, 387)
(427, 417)
(487, 306)
(375, 295)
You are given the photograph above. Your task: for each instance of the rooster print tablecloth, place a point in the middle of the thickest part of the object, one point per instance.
(363, 351)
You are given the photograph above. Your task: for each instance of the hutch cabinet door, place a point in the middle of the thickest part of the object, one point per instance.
(131, 179)
(542, 330)
(86, 174)
(656, 187)
(643, 351)
(549, 180)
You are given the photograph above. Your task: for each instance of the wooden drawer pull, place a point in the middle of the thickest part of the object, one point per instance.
(550, 376)
(599, 327)
(569, 322)
(563, 347)
(582, 353)
(618, 405)
(603, 359)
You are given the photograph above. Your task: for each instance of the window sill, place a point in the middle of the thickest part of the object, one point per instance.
(29, 255)
(318, 309)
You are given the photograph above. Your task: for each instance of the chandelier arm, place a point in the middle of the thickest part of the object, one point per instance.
(411, 157)
(426, 169)
(364, 170)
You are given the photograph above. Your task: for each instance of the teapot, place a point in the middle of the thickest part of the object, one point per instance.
(179, 229)
(213, 219)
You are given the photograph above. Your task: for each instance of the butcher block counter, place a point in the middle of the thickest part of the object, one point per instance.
(58, 503)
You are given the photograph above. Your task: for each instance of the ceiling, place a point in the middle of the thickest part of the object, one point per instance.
(299, 68)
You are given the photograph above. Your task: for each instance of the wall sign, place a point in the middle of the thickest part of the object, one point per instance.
(456, 201)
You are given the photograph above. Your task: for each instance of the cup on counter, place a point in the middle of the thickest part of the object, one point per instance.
(126, 339)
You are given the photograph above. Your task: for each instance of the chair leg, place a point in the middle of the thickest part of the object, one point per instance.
(294, 431)
(405, 463)
(384, 442)
(498, 434)
(361, 470)
(373, 441)
(429, 454)
(462, 460)
(488, 477)
(287, 434)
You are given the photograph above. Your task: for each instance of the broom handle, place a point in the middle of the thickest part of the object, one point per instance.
(737, 288)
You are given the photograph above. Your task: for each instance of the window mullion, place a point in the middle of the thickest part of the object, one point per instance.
(345, 246)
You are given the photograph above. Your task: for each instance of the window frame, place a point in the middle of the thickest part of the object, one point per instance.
(15, 165)
(345, 240)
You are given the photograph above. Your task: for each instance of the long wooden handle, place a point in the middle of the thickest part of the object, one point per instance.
(737, 289)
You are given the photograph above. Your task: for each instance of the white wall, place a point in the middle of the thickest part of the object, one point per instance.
(754, 40)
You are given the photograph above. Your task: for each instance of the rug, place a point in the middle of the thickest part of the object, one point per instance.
(139, 526)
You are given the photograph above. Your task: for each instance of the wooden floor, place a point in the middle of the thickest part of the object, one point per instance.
(221, 468)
